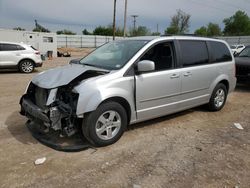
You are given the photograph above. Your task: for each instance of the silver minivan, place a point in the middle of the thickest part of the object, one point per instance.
(129, 81)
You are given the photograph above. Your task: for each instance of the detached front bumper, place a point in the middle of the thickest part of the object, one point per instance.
(55, 117)
(32, 111)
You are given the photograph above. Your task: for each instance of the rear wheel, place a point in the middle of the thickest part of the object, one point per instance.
(218, 98)
(26, 66)
(106, 124)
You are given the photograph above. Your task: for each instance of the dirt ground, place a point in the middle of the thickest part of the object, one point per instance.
(194, 148)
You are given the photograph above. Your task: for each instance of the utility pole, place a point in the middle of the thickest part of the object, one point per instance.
(134, 17)
(125, 18)
(114, 20)
(157, 28)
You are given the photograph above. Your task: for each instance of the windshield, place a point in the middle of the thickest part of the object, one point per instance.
(113, 55)
(245, 53)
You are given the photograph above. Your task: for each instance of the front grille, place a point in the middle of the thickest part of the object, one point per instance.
(242, 70)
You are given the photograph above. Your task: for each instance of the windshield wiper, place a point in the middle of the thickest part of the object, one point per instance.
(91, 65)
(100, 67)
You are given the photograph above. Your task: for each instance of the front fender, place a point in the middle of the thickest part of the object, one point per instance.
(91, 96)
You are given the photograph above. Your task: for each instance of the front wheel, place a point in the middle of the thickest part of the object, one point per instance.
(106, 124)
(218, 98)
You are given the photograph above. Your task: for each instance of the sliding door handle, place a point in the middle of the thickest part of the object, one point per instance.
(175, 76)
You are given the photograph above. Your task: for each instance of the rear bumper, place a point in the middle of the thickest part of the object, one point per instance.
(40, 64)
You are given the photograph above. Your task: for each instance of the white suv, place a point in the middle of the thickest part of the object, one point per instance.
(19, 55)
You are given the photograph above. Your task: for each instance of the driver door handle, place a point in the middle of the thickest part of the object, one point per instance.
(187, 74)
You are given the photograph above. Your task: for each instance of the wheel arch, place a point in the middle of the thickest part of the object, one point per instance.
(226, 83)
(221, 79)
(123, 102)
(26, 59)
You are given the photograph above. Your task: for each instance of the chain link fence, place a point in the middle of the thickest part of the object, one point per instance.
(82, 41)
(93, 41)
(236, 40)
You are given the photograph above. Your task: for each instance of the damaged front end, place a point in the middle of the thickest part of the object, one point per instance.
(50, 101)
(53, 109)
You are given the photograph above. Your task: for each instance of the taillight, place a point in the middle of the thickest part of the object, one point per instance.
(37, 53)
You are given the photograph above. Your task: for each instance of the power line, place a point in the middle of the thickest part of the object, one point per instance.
(230, 4)
(205, 5)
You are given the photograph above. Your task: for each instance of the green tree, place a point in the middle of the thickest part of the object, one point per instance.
(212, 29)
(65, 32)
(179, 23)
(107, 31)
(156, 34)
(201, 31)
(18, 29)
(238, 24)
(140, 31)
(40, 28)
(86, 32)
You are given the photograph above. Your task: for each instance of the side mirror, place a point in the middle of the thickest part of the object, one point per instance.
(145, 66)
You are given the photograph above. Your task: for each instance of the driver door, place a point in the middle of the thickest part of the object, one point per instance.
(158, 92)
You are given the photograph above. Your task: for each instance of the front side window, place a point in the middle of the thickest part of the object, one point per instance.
(162, 55)
(245, 53)
(193, 53)
(220, 52)
(113, 55)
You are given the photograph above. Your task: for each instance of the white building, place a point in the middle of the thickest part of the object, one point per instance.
(44, 42)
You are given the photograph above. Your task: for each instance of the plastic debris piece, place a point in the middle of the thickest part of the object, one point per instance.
(238, 126)
(40, 161)
(136, 186)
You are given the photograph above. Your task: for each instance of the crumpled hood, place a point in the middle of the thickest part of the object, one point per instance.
(60, 76)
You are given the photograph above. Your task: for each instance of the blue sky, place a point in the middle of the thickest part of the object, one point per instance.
(79, 14)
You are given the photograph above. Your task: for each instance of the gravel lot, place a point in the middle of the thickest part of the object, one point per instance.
(194, 148)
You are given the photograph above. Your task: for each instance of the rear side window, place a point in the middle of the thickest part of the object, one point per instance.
(194, 53)
(220, 52)
(11, 47)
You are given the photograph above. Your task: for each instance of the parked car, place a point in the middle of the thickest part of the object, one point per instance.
(236, 49)
(19, 56)
(243, 65)
(129, 81)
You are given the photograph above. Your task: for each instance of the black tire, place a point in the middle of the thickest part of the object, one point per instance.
(26, 66)
(216, 104)
(93, 120)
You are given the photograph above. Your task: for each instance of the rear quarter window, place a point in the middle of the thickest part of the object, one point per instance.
(193, 53)
(220, 52)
